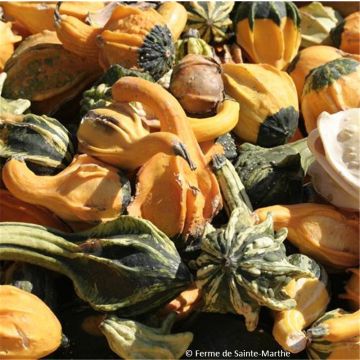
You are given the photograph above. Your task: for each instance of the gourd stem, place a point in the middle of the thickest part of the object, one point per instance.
(307, 158)
(232, 189)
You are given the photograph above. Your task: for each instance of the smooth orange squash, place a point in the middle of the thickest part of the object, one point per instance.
(7, 41)
(176, 198)
(13, 209)
(319, 231)
(352, 288)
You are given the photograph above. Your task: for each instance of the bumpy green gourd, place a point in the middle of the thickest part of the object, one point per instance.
(99, 95)
(275, 175)
(43, 142)
(133, 340)
(126, 265)
(243, 266)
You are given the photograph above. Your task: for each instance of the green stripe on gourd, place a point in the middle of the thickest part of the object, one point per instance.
(126, 265)
(244, 265)
(328, 73)
(272, 10)
(210, 18)
(43, 142)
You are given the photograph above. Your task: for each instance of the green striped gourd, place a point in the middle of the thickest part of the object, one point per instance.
(126, 265)
(210, 18)
(43, 142)
(244, 266)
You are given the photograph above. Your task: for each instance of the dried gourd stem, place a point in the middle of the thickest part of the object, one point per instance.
(232, 189)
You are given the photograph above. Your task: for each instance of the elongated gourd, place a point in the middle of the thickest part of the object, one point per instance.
(13, 209)
(126, 265)
(28, 327)
(116, 136)
(319, 231)
(312, 298)
(336, 335)
(87, 190)
(192, 196)
(175, 17)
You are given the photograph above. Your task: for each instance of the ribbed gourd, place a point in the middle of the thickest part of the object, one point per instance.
(28, 327)
(117, 136)
(312, 298)
(268, 103)
(309, 59)
(331, 87)
(268, 31)
(335, 335)
(346, 35)
(13, 209)
(243, 265)
(126, 265)
(319, 231)
(317, 21)
(63, 74)
(42, 142)
(87, 190)
(137, 38)
(191, 43)
(210, 18)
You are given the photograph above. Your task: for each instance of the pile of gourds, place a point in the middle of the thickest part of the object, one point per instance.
(173, 158)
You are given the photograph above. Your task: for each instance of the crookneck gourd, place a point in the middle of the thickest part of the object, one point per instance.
(346, 35)
(312, 298)
(126, 265)
(320, 231)
(133, 340)
(244, 266)
(268, 31)
(39, 16)
(331, 87)
(192, 194)
(210, 18)
(268, 103)
(336, 335)
(275, 175)
(117, 136)
(309, 59)
(13, 209)
(42, 142)
(7, 41)
(99, 95)
(63, 74)
(87, 190)
(28, 327)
